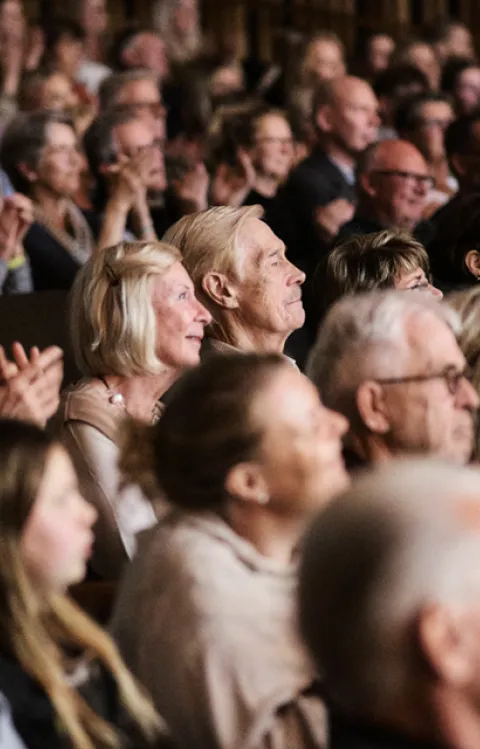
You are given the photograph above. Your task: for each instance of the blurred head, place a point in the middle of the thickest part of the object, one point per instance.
(324, 59)
(137, 90)
(395, 83)
(134, 312)
(423, 56)
(407, 636)
(249, 431)
(64, 46)
(455, 248)
(462, 144)
(345, 113)
(423, 120)
(46, 525)
(379, 50)
(461, 80)
(391, 364)
(394, 182)
(49, 91)
(145, 49)
(451, 39)
(273, 150)
(241, 274)
(179, 25)
(93, 16)
(387, 260)
(40, 150)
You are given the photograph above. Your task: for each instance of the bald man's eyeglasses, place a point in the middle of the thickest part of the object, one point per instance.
(421, 179)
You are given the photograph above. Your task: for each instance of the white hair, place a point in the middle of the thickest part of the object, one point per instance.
(400, 537)
(366, 336)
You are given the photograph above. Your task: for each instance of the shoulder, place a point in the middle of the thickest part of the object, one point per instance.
(87, 402)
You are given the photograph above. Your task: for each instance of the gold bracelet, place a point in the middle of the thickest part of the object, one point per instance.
(16, 262)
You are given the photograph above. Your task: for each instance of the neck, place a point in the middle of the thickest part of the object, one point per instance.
(384, 218)
(274, 537)
(371, 448)
(252, 340)
(266, 185)
(93, 48)
(142, 392)
(335, 152)
(53, 206)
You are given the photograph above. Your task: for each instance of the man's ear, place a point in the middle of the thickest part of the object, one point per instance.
(220, 290)
(324, 119)
(448, 643)
(472, 261)
(371, 407)
(245, 481)
(366, 184)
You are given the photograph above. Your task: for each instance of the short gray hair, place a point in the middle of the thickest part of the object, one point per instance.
(402, 535)
(111, 87)
(364, 337)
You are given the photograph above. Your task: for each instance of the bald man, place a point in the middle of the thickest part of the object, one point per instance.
(393, 182)
(389, 608)
(319, 195)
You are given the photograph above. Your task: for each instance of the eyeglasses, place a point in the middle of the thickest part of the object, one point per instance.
(452, 378)
(421, 179)
(432, 122)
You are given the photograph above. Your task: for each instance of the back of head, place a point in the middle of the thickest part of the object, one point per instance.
(366, 262)
(400, 538)
(111, 87)
(396, 80)
(459, 137)
(366, 337)
(457, 234)
(206, 428)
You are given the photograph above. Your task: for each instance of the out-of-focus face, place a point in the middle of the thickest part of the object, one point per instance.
(61, 163)
(380, 50)
(324, 61)
(68, 55)
(186, 16)
(135, 137)
(352, 120)
(425, 417)
(180, 318)
(424, 58)
(273, 153)
(398, 185)
(468, 165)
(145, 99)
(301, 448)
(467, 90)
(460, 43)
(225, 81)
(434, 119)
(269, 289)
(11, 16)
(57, 94)
(416, 280)
(148, 52)
(57, 538)
(94, 17)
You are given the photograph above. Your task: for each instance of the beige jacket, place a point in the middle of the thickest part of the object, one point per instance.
(208, 625)
(90, 428)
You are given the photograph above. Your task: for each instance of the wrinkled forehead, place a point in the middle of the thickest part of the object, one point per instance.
(430, 342)
(255, 241)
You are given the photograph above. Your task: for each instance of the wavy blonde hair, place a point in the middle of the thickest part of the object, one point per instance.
(112, 321)
(37, 627)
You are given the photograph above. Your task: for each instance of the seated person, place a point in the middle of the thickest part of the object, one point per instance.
(394, 182)
(389, 597)
(461, 81)
(455, 249)
(391, 86)
(227, 670)
(386, 260)
(135, 326)
(40, 154)
(54, 660)
(256, 309)
(390, 363)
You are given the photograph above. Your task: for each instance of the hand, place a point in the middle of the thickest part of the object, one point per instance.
(130, 179)
(231, 185)
(16, 217)
(35, 48)
(192, 190)
(12, 46)
(31, 387)
(330, 218)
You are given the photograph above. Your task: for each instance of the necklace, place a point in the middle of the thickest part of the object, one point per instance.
(117, 399)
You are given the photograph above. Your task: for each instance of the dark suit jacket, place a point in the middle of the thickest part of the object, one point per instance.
(315, 182)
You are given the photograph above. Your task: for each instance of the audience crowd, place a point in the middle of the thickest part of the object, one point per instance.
(240, 494)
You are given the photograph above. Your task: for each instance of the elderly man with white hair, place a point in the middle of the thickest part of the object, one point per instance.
(242, 276)
(390, 363)
(389, 608)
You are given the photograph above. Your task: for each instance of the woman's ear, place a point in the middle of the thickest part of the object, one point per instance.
(472, 262)
(220, 290)
(245, 481)
(29, 174)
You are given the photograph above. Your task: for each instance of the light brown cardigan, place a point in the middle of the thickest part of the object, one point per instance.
(209, 626)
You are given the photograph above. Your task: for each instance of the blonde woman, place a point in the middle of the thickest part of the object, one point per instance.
(45, 539)
(136, 326)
